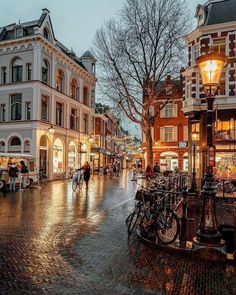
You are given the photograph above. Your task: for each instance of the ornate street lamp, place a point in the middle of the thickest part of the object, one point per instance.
(210, 66)
(90, 139)
(195, 137)
(51, 130)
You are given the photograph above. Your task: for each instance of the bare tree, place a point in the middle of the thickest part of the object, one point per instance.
(136, 52)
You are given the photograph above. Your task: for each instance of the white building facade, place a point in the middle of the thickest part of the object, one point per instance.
(45, 87)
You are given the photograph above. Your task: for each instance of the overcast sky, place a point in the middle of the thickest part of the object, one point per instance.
(75, 22)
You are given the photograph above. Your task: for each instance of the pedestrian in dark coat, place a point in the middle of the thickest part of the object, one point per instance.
(86, 169)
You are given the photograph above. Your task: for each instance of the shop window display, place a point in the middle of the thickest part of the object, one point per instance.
(58, 156)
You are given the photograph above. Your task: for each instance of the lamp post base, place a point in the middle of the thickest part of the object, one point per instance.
(212, 252)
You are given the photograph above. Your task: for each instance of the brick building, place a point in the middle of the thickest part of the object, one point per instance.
(215, 31)
(170, 130)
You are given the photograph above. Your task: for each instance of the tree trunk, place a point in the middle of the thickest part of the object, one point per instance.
(149, 147)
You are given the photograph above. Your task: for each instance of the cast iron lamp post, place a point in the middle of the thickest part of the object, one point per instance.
(210, 66)
(195, 136)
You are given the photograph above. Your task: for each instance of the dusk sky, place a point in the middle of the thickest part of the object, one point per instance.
(75, 22)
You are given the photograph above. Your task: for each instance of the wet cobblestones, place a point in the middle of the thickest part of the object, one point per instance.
(54, 242)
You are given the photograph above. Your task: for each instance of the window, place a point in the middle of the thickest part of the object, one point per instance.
(4, 75)
(14, 144)
(73, 93)
(29, 72)
(168, 90)
(45, 70)
(169, 111)
(27, 110)
(59, 80)
(44, 108)
(2, 112)
(86, 96)
(196, 52)
(19, 32)
(27, 146)
(17, 67)
(218, 45)
(16, 107)
(45, 33)
(59, 114)
(85, 123)
(73, 119)
(188, 89)
(168, 134)
(2, 146)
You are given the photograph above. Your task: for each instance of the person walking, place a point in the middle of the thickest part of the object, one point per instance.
(148, 171)
(13, 173)
(156, 169)
(87, 170)
(23, 171)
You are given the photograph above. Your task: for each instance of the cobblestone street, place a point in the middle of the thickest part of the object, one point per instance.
(55, 242)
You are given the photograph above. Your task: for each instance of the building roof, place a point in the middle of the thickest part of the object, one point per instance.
(219, 11)
(8, 33)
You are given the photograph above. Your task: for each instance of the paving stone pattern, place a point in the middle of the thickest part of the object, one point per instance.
(55, 242)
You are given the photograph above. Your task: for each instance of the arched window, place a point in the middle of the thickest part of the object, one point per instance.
(43, 141)
(14, 144)
(2, 146)
(58, 156)
(46, 33)
(45, 72)
(27, 146)
(77, 94)
(17, 70)
(86, 96)
(60, 80)
(73, 85)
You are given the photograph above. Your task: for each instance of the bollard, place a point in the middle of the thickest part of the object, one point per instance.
(183, 228)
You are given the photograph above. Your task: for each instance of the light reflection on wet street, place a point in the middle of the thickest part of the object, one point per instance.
(53, 241)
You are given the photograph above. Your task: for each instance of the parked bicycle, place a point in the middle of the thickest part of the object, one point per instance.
(154, 217)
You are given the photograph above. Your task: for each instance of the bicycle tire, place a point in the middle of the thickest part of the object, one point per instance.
(74, 185)
(168, 220)
(81, 182)
(133, 218)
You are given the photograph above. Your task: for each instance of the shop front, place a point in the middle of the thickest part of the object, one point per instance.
(58, 158)
(225, 164)
(168, 161)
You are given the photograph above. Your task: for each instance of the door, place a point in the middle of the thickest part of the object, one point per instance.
(43, 164)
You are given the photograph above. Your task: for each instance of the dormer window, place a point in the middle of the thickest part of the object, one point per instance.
(19, 32)
(46, 33)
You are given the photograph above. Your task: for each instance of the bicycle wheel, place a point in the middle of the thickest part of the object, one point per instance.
(167, 226)
(74, 185)
(132, 219)
(80, 184)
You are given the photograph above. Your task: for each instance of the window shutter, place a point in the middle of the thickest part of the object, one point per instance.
(185, 133)
(175, 135)
(176, 110)
(162, 113)
(152, 133)
(162, 134)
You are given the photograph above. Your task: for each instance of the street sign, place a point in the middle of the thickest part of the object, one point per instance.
(183, 144)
